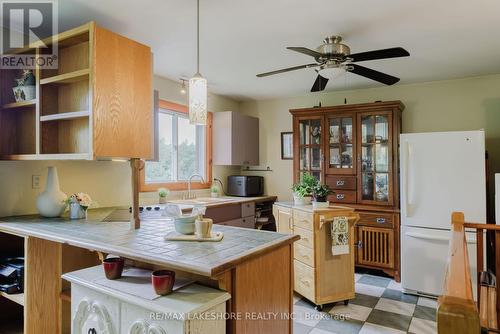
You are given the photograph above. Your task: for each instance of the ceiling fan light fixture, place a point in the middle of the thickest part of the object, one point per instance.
(332, 73)
(198, 90)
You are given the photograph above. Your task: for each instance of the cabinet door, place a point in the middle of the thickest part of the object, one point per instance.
(308, 147)
(340, 144)
(375, 184)
(283, 220)
(376, 247)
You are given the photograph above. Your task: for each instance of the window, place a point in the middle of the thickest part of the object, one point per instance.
(184, 149)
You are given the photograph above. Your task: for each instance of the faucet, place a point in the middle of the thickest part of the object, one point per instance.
(189, 196)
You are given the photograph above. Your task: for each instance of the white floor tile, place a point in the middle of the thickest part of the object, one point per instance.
(395, 286)
(307, 316)
(421, 326)
(429, 302)
(370, 290)
(320, 331)
(376, 329)
(395, 306)
(357, 277)
(356, 312)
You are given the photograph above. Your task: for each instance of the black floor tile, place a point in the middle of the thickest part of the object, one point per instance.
(389, 319)
(424, 312)
(399, 296)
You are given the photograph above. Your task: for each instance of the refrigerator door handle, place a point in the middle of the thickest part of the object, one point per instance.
(431, 237)
(406, 181)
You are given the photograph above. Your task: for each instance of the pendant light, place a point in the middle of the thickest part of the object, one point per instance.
(198, 85)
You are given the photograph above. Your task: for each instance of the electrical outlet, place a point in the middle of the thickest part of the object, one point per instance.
(35, 181)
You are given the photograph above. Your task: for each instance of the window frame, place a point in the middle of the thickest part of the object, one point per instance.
(183, 185)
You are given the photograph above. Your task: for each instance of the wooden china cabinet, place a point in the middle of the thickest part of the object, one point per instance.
(355, 150)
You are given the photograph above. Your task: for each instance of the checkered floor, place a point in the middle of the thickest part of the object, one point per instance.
(379, 308)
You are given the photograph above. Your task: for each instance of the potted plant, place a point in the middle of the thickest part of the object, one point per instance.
(320, 193)
(24, 89)
(214, 190)
(162, 195)
(302, 191)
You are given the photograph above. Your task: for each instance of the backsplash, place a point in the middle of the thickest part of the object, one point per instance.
(107, 182)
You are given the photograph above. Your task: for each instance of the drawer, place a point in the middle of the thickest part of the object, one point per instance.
(303, 254)
(303, 219)
(343, 196)
(247, 222)
(248, 209)
(376, 219)
(304, 280)
(306, 237)
(341, 182)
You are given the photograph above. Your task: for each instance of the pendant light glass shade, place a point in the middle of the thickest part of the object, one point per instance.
(198, 100)
(197, 84)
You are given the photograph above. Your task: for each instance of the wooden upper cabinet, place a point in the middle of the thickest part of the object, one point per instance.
(236, 139)
(353, 149)
(308, 146)
(97, 104)
(340, 144)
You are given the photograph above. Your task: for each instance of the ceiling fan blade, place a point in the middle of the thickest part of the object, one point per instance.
(305, 51)
(286, 70)
(379, 54)
(319, 84)
(372, 74)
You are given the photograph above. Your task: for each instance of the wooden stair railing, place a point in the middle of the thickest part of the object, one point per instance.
(457, 312)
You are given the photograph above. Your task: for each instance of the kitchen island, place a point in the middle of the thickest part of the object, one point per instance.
(255, 267)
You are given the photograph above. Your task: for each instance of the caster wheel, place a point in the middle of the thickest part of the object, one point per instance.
(319, 308)
(346, 302)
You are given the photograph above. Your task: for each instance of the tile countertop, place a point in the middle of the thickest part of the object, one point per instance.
(147, 244)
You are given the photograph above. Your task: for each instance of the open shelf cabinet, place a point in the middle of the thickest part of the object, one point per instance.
(96, 104)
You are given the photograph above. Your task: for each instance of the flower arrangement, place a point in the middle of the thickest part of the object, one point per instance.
(78, 205)
(320, 192)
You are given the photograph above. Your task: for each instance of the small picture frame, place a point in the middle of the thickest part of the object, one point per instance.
(287, 145)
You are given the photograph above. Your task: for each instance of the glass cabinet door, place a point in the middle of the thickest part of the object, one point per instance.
(375, 152)
(310, 147)
(340, 145)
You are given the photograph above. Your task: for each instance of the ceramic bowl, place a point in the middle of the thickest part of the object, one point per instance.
(163, 281)
(113, 267)
(185, 224)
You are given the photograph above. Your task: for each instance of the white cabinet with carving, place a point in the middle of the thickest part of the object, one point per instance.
(99, 306)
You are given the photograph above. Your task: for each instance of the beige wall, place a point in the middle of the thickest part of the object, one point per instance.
(107, 182)
(465, 104)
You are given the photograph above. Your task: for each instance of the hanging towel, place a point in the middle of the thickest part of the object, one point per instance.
(340, 236)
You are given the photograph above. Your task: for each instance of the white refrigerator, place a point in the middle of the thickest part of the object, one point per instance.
(441, 172)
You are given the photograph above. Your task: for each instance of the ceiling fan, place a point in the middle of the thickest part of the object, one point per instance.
(334, 55)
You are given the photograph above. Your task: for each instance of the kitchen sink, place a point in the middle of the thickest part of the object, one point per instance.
(203, 201)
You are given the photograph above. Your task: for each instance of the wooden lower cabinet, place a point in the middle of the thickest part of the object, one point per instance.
(376, 246)
(375, 238)
(377, 242)
(318, 275)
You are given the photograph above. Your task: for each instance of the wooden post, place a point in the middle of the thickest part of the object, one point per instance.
(136, 165)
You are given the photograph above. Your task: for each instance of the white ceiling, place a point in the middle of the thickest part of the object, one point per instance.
(240, 38)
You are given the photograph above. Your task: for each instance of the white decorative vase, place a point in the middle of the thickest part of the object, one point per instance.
(51, 202)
